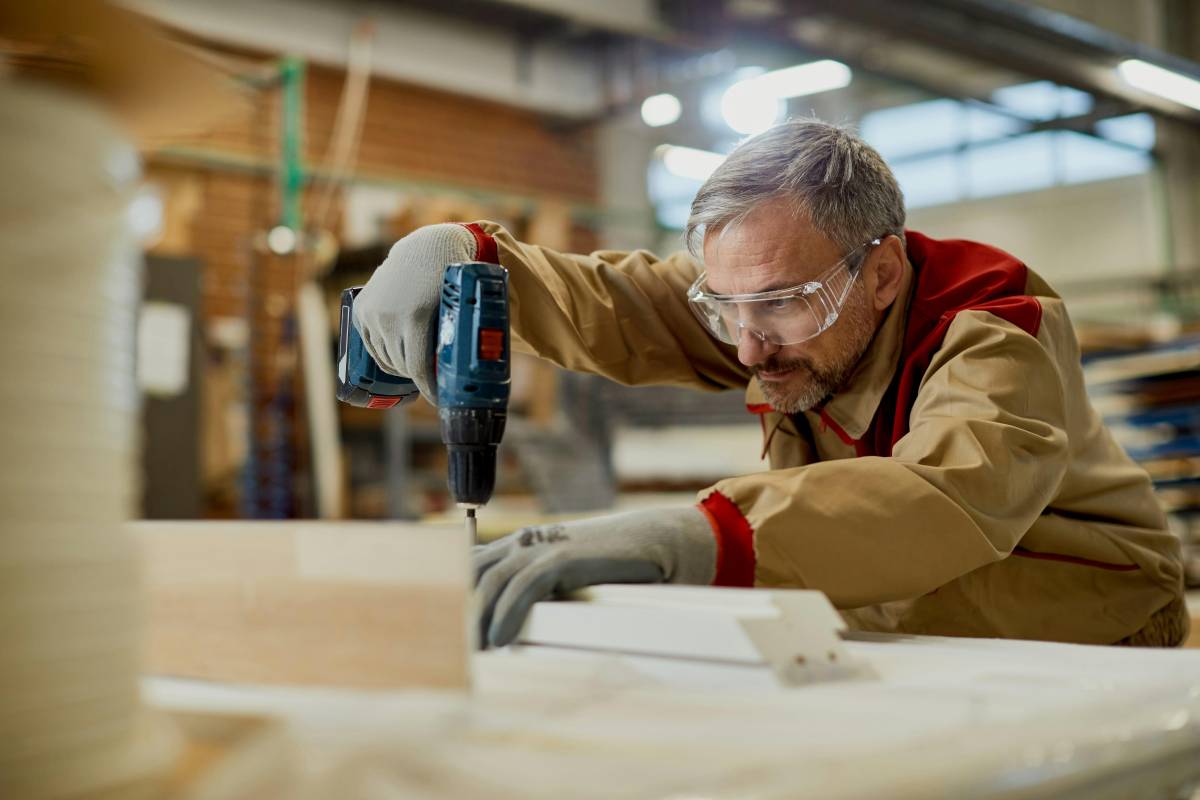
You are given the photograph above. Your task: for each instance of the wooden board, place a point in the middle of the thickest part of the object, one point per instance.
(369, 605)
(320, 393)
(230, 757)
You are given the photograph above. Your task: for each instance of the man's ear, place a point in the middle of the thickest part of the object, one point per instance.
(887, 267)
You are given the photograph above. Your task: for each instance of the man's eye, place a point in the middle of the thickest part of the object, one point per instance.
(777, 305)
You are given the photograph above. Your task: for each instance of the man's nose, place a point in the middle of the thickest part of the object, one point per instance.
(753, 349)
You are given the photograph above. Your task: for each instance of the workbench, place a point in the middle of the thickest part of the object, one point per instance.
(945, 718)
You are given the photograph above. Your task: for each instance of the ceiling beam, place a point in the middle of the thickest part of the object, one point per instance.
(1036, 42)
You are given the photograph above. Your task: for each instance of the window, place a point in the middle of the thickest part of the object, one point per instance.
(1135, 130)
(1086, 158)
(1041, 101)
(1020, 164)
(929, 181)
(907, 131)
(946, 150)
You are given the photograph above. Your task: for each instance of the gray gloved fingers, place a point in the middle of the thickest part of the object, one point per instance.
(412, 355)
(558, 574)
(486, 556)
(536, 582)
(377, 348)
(420, 355)
(489, 588)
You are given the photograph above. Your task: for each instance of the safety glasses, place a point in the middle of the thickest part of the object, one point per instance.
(780, 316)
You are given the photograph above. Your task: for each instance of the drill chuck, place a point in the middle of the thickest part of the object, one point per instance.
(471, 436)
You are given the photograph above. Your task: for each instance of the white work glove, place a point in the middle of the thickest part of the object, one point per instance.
(668, 545)
(396, 313)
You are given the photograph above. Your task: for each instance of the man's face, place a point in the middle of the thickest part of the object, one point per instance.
(773, 248)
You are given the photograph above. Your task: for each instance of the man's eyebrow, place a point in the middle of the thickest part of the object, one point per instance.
(777, 285)
(770, 287)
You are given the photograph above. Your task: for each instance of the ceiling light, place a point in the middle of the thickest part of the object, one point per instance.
(750, 108)
(661, 109)
(281, 240)
(688, 162)
(1162, 82)
(755, 104)
(802, 79)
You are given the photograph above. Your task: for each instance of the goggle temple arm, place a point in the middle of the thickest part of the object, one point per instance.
(836, 286)
(833, 291)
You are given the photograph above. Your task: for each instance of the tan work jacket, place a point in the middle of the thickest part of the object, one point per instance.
(970, 490)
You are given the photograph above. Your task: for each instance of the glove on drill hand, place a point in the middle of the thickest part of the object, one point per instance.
(673, 545)
(396, 312)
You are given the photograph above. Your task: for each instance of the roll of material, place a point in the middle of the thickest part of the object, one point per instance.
(71, 721)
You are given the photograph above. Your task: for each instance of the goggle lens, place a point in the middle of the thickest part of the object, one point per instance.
(779, 321)
(787, 316)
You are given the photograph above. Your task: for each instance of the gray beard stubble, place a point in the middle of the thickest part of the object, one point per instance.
(859, 329)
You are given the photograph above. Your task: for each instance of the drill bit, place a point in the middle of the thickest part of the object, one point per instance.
(471, 529)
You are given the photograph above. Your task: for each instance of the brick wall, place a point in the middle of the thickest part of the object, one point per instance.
(410, 134)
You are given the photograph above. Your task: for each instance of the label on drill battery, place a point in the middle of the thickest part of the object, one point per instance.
(446, 330)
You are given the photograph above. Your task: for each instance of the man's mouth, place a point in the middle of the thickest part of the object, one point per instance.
(776, 375)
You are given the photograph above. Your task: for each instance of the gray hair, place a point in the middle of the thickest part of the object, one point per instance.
(835, 178)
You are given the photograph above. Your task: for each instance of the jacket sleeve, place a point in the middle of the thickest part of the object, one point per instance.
(620, 315)
(985, 454)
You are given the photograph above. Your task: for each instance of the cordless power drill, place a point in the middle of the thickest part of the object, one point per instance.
(472, 376)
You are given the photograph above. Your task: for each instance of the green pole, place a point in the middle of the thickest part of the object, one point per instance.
(291, 172)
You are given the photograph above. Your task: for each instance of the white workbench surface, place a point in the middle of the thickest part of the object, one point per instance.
(946, 718)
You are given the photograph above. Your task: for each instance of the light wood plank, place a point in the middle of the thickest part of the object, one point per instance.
(336, 604)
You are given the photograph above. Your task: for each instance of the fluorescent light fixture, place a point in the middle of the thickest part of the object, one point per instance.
(1162, 82)
(688, 162)
(802, 79)
(661, 109)
(755, 104)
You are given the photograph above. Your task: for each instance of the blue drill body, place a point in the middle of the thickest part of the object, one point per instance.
(474, 312)
(473, 374)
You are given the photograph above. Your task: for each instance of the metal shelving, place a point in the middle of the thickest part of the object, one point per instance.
(1150, 398)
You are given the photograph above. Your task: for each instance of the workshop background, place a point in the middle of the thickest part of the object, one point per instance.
(1043, 128)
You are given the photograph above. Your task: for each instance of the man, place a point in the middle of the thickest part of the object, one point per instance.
(935, 464)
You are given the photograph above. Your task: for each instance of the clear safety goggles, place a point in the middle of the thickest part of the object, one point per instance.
(780, 316)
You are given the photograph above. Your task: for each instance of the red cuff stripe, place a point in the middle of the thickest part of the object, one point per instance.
(735, 541)
(485, 245)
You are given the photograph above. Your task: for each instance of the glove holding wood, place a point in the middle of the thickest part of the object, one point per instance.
(672, 545)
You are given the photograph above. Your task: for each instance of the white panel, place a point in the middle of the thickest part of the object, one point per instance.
(794, 633)
(1065, 233)
(164, 343)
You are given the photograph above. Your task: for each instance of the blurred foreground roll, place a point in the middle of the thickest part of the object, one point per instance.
(71, 722)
